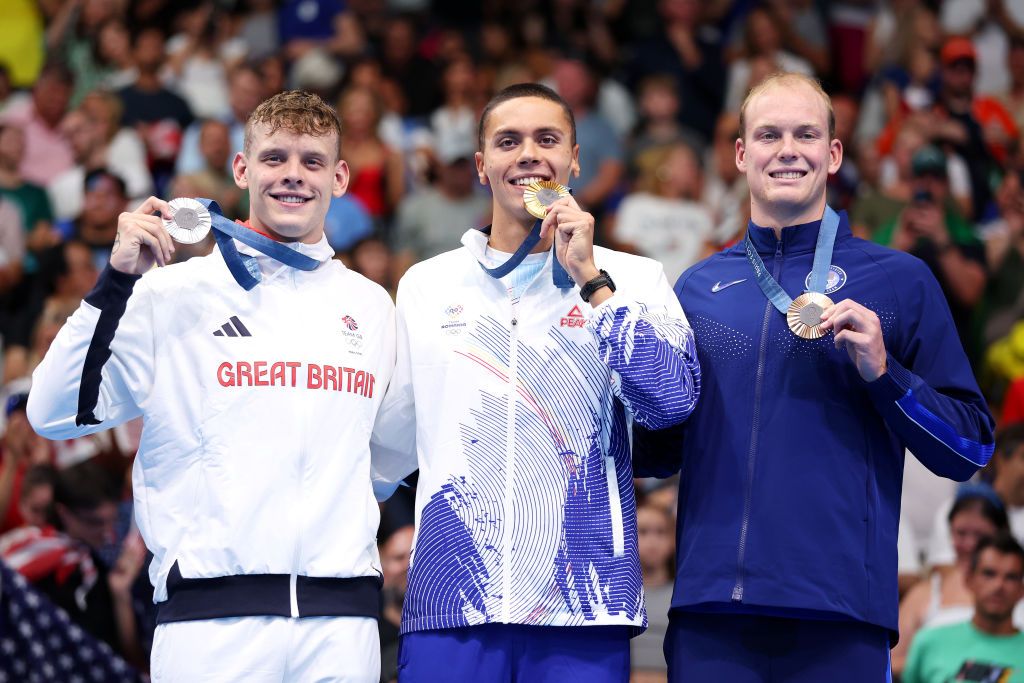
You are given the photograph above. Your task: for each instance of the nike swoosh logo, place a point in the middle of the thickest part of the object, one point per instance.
(719, 286)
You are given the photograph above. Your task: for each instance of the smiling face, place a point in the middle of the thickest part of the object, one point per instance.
(524, 139)
(787, 154)
(291, 178)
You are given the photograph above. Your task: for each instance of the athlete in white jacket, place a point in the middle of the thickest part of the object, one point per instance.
(252, 482)
(514, 396)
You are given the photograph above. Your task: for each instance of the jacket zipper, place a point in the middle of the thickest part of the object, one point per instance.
(737, 590)
(510, 459)
(298, 508)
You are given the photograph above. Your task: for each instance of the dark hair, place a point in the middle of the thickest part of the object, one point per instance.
(517, 91)
(38, 475)
(85, 486)
(1003, 543)
(93, 176)
(982, 502)
(58, 70)
(1009, 439)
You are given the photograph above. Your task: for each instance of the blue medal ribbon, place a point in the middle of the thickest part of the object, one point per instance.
(819, 270)
(559, 276)
(244, 268)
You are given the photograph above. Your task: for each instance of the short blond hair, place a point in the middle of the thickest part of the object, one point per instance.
(300, 112)
(784, 78)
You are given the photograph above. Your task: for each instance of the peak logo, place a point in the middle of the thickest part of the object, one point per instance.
(574, 318)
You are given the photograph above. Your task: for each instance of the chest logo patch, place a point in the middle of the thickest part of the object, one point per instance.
(353, 338)
(451, 322)
(835, 282)
(574, 318)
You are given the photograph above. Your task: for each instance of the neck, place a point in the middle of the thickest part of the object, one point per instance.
(656, 576)
(781, 216)
(994, 626)
(508, 233)
(9, 177)
(148, 80)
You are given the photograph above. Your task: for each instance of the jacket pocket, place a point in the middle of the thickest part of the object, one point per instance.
(615, 507)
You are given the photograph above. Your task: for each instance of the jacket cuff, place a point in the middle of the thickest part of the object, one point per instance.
(112, 287)
(894, 384)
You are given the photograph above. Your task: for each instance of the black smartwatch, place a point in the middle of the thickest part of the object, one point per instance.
(602, 280)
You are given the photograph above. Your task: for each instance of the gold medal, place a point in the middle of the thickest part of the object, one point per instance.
(804, 315)
(541, 194)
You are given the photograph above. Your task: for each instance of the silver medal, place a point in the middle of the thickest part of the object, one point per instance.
(191, 221)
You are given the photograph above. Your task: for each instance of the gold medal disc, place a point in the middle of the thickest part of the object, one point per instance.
(541, 194)
(804, 315)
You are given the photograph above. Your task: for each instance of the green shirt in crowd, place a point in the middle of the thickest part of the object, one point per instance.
(938, 654)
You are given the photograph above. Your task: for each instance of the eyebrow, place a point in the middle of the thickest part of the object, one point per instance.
(546, 130)
(280, 151)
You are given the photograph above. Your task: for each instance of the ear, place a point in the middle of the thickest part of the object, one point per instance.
(835, 156)
(341, 176)
(481, 174)
(574, 168)
(741, 156)
(238, 168)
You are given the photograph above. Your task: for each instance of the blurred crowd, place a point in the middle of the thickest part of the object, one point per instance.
(105, 102)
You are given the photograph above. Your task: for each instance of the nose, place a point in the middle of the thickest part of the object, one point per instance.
(292, 171)
(787, 150)
(527, 153)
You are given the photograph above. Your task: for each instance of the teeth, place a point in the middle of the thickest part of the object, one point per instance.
(291, 200)
(788, 175)
(526, 181)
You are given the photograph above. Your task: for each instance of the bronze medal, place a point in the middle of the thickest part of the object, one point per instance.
(541, 194)
(804, 315)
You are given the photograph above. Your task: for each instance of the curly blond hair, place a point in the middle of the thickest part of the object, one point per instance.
(297, 111)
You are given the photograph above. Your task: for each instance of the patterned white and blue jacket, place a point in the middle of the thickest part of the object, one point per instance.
(517, 412)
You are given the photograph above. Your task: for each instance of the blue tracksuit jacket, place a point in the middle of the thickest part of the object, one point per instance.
(791, 464)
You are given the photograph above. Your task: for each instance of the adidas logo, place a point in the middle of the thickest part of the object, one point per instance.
(232, 328)
(574, 318)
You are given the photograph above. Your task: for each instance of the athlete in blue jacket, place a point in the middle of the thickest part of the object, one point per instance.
(792, 461)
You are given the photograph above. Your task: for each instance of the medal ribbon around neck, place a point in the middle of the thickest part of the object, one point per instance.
(195, 222)
(804, 313)
(559, 276)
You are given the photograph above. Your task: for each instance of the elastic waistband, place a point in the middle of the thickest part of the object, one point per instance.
(267, 595)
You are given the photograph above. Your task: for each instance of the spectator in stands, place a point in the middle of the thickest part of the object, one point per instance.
(123, 148)
(663, 219)
(763, 40)
(659, 119)
(655, 528)
(12, 249)
(725, 188)
(454, 122)
(376, 170)
(943, 598)
(372, 258)
(1003, 302)
(105, 199)
(212, 180)
(977, 126)
(20, 449)
(245, 92)
(47, 153)
(931, 227)
(432, 220)
(602, 163)
(61, 560)
(395, 551)
(30, 198)
(66, 191)
(988, 647)
(36, 495)
(692, 53)
(114, 48)
(413, 73)
(159, 115)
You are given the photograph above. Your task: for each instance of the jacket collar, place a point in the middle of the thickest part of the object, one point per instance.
(795, 238)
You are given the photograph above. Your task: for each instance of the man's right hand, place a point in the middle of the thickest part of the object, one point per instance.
(141, 239)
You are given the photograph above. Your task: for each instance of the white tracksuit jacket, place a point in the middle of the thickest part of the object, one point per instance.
(258, 406)
(517, 414)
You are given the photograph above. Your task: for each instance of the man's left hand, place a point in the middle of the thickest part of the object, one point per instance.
(859, 330)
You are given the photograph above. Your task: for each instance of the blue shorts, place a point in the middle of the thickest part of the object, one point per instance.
(742, 648)
(511, 653)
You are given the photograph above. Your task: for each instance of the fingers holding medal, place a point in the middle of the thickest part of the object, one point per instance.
(858, 330)
(141, 240)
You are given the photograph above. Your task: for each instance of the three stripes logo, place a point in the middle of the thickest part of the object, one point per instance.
(232, 328)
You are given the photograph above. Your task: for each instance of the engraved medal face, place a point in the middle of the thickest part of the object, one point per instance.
(804, 315)
(542, 194)
(191, 222)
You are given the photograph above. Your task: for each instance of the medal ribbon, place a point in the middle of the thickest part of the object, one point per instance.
(819, 271)
(243, 268)
(559, 276)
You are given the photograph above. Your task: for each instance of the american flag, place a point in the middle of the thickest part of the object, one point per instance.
(39, 642)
